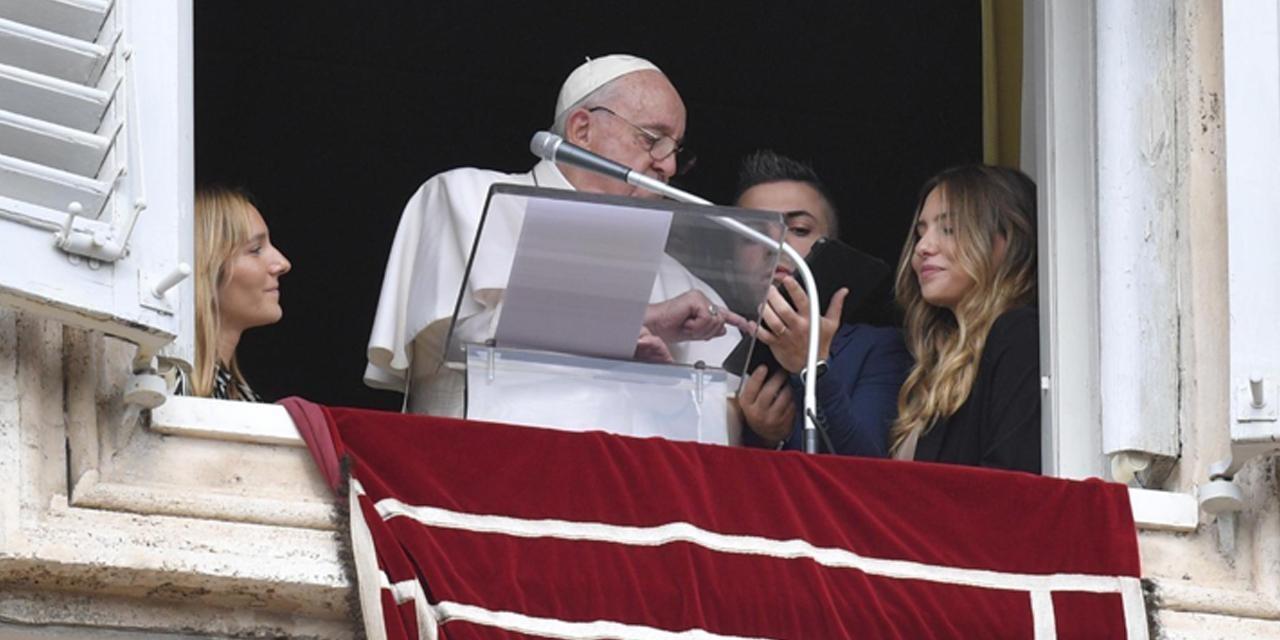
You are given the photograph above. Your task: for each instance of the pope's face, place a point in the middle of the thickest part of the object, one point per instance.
(647, 102)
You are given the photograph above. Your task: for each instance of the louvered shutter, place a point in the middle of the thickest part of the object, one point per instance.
(96, 163)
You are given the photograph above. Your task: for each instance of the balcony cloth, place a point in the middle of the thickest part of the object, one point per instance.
(474, 530)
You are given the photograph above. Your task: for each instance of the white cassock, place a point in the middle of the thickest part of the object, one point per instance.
(425, 272)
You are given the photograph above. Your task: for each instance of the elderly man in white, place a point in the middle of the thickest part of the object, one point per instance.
(621, 107)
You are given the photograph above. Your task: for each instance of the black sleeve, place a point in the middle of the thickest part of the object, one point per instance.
(1011, 437)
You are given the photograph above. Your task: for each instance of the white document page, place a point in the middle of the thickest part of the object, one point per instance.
(581, 277)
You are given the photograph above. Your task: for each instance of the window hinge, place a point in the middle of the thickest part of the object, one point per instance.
(88, 238)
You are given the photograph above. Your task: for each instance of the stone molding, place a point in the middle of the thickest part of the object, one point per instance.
(109, 526)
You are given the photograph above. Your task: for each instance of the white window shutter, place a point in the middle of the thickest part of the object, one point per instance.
(1251, 65)
(96, 164)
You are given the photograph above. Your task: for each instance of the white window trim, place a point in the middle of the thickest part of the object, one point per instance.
(1251, 96)
(1060, 76)
(1059, 106)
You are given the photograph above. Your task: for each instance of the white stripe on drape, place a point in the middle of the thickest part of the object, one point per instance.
(1130, 589)
(1046, 625)
(749, 545)
(555, 628)
(1135, 610)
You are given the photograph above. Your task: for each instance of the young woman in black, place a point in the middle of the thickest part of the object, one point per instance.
(967, 283)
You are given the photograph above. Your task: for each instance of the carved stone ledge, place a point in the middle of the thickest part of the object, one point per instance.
(68, 616)
(90, 493)
(131, 564)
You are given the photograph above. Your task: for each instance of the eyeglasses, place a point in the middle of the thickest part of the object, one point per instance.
(661, 146)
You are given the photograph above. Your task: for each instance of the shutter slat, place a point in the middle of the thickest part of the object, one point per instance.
(51, 144)
(51, 188)
(50, 53)
(52, 99)
(80, 19)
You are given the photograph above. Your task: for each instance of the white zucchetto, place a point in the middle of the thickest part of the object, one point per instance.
(595, 73)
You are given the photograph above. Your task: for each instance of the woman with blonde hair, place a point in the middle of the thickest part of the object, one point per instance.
(967, 284)
(237, 280)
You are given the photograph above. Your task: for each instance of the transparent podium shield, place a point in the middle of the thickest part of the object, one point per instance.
(569, 272)
(576, 393)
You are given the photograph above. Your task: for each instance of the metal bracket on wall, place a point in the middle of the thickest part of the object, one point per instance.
(1254, 434)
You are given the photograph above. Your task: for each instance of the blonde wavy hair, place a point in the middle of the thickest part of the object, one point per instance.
(983, 202)
(222, 222)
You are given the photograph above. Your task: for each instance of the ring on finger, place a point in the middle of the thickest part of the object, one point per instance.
(713, 310)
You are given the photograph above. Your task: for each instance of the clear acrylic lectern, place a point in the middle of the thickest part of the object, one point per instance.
(561, 286)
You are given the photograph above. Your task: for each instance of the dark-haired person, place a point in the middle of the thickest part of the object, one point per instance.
(237, 279)
(861, 367)
(967, 280)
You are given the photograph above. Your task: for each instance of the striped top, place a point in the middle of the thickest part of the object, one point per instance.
(223, 384)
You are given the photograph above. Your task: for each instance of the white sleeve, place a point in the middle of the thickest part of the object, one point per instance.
(424, 269)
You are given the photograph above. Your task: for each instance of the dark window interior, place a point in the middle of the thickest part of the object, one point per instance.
(332, 113)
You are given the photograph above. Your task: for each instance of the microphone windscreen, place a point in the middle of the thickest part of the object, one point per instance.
(554, 148)
(544, 145)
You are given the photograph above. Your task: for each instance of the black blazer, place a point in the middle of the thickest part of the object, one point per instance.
(999, 423)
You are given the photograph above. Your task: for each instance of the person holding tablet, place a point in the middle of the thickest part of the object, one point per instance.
(861, 366)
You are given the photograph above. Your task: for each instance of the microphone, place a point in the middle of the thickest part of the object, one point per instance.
(549, 146)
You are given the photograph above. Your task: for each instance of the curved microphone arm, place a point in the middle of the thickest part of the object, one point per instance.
(806, 276)
(549, 146)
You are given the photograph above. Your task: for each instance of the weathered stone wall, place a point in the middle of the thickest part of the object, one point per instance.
(142, 531)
